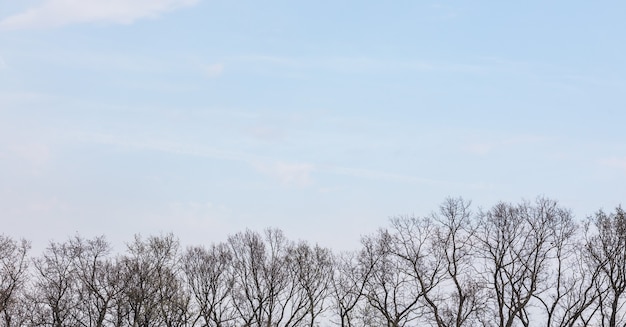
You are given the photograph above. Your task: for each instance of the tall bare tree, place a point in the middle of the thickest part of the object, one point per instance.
(517, 243)
(209, 274)
(350, 277)
(13, 276)
(250, 291)
(570, 285)
(606, 250)
(153, 289)
(98, 281)
(460, 298)
(54, 296)
(265, 293)
(311, 270)
(407, 268)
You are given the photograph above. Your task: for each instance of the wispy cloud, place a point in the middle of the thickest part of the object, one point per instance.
(34, 153)
(195, 214)
(168, 147)
(619, 163)
(402, 178)
(35, 205)
(289, 174)
(445, 12)
(55, 13)
(3, 64)
(360, 64)
(214, 70)
(483, 148)
(266, 133)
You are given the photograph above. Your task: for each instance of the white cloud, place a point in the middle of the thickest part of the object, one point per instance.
(34, 153)
(54, 13)
(214, 70)
(167, 146)
(402, 178)
(3, 64)
(286, 173)
(289, 174)
(358, 64)
(194, 214)
(266, 133)
(483, 148)
(619, 163)
(479, 148)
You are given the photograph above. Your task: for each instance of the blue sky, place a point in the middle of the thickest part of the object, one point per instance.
(322, 118)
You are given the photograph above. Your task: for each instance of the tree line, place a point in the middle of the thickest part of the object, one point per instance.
(514, 264)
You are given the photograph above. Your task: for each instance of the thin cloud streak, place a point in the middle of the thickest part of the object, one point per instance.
(619, 163)
(484, 148)
(213, 71)
(56, 13)
(288, 173)
(171, 147)
(402, 178)
(350, 64)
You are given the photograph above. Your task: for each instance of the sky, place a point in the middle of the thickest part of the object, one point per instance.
(321, 118)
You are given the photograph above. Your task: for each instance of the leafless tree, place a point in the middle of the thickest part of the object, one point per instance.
(460, 298)
(53, 294)
(13, 276)
(406, 269)
(389, 303)
(209, 274)
(250, 292)
(517, 243)
(570, 288)
(116, 273)
(153, 288)
(350, 276)
(264, 292)
(606, 250)
(311, 272)
(98, 281)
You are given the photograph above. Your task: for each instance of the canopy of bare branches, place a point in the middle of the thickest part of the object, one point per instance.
(514, 264)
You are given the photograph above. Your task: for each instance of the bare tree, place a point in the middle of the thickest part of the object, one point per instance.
(250, 293)
(54, 295)
(570, 286)
(209, 274)
(460, 298)
(387, 289)
(311, 271)
(573, 298)
(350, 276)
(266, 290)
(116, 273)
(606, 250)
(98, 282)
(13, 275)
(406, 269)
(516, 244)
(153, 290)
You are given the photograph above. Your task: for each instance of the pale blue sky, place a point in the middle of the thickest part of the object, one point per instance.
(323, 118)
